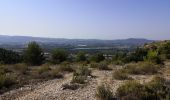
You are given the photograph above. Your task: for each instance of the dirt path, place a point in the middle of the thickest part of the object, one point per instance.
(52, 90)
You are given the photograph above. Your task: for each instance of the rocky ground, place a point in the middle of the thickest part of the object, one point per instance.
(52, 89)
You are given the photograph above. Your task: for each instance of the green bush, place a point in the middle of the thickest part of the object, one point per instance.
(138, 55)
(81, 56)
(58, 56)
(98, 57)
(120, 75)
(154, 57)
(9, 57)
(104, 93)
(164, 50)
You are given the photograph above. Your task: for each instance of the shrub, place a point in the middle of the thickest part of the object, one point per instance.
(153, 56)
(43, 69)
(55, 73)
(118, 62)
(104, 93)
(164, 50)
(120, 75)
(94, 65)
(2, 70)
(78, 79)
(21, 68)
(129, 88)
(81, 56)
(83, 71)
(7, 81)
(142, 68)
(103, 66)
(159, 88)
(70, 86)
(80, 75)
(98, 57)
(66, 67)
(154, 90)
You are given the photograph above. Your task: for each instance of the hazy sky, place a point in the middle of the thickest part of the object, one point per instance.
(99, 19)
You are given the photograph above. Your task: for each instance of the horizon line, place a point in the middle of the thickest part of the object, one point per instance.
(81, 38)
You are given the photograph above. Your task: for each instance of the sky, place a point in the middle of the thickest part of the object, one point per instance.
(86, 19)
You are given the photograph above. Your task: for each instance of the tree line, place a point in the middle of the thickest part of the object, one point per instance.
(34, 55)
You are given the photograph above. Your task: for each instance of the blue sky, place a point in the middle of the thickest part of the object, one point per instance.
(97, 19)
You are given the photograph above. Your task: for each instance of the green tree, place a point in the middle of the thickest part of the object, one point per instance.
(154, 57)
(9, 57)
(81, 56)
(33, 55)
(138, 55)
(165, 50)
(98, 57)
(59, 55)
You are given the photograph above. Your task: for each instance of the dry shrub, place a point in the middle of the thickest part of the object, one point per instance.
(104, 93)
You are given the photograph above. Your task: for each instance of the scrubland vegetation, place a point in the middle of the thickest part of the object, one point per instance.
(32, 66)
(104, 93)
(157, 89)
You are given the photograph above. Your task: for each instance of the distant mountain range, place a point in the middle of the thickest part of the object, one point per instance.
(18, 43)
(4, 39)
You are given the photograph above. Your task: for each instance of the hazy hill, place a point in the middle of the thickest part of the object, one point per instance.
(4, 39)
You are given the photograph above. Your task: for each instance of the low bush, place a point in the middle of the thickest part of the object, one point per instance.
(2, 70)
(21, 68)
(70, 86)
(153, 56)
(80, 75)
(118, 62)
(7, 81)
(78, 79)
(103, 66)
(104, 93)
(94, 65)
(82, 71)
(129, 88)
(142, 68)
(43, 69)
(66, 67)
(55, 73)
(120, 75)
(154, 90)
